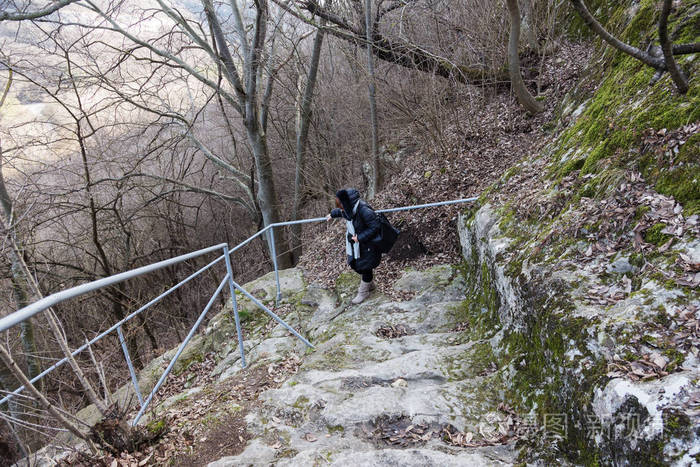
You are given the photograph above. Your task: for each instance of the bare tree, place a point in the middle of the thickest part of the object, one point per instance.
(302, 135)
(24, 12)
(250, 93)
(19, 282)
(349, 25)
(376, 175)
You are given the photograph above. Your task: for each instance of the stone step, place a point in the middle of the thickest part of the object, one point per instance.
(357, 384)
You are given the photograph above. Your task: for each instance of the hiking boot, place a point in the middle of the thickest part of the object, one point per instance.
(362, 292)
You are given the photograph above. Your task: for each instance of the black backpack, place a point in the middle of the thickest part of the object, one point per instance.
(387, 236)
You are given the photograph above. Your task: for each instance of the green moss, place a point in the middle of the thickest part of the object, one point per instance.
(245, 316)
(183, 364)
(603, 11)
(683, 183)
(610, 130)
(335, 429)
(469, 214)
(688, 152)
(156, 427)
(346, 283)
(677, 424)
(302, 402)
(570, 166)
(336, 358)
(287, 453)
(654, 236)
(474, 361)
(640, 211)
(516, 169)
(642, 26)
(545, 369)
(675, 357)
(480, 309)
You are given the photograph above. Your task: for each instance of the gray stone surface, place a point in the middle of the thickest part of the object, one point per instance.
(354, 378)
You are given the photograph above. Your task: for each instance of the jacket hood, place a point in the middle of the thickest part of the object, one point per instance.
(348, 197)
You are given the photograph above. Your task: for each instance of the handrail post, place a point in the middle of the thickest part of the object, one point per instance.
(134, 379)
(273, 250)
(179, 351)
(234, 302)
(273, 315)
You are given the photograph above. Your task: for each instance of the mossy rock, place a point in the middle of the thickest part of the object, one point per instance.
(435, 277)
(654, 236)
(346, 285)
(609, 133)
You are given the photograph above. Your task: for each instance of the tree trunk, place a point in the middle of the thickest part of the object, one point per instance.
(267, 197)
(521, 92)
(375, 181)
(19, 281)
(676, 74)
(9, 383)
(529, 26)
(250, 111)
(302, 138)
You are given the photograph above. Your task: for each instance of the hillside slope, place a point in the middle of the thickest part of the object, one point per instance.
(588, 262)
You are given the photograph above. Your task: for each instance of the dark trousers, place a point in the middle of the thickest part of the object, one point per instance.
(367, 276)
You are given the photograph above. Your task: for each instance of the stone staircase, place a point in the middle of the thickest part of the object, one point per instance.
(389, 382)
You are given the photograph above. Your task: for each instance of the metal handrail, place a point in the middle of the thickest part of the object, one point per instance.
(51, 300)
(116, 326)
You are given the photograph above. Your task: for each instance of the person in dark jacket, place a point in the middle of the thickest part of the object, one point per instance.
(363, 226)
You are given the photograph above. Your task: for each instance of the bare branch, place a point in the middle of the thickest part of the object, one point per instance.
(229, 64)
(192, 189)
(402, 53)
(29, 15)
(685, 49)
(12, 365)
(6, 91)
(164, 54)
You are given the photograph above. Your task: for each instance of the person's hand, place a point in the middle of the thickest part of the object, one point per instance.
(354, 238)
(328, 217)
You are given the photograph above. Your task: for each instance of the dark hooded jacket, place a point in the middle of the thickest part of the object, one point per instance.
(367, 227)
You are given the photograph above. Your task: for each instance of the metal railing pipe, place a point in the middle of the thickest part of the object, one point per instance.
(300, 221)
(234, 303)
(273, 250)
(53, 299)
(134, 379)
(430, 205)
(108, 331)
(403, 208)
(319, 219)
(273, 315)
(249, 239)
(181, 349)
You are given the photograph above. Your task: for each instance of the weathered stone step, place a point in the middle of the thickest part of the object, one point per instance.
(356, 385)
